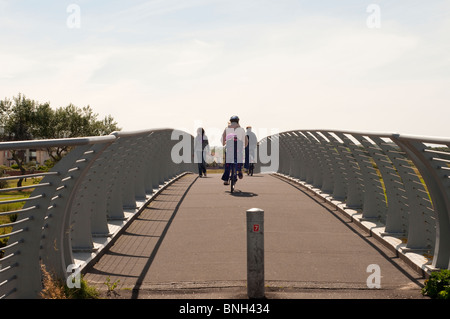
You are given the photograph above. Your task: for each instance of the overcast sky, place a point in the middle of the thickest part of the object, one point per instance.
(378, 66)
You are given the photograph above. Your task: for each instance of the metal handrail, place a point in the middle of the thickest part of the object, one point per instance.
(18, 211)
(423, 139)
(23, 187)
(37, 144)
(339, 165)
(19, 200)
(15, 223)
(138, 132)
(73, 213)
(7, 178)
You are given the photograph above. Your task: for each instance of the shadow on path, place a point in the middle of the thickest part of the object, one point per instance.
(137, 286)
(239, 193)
(411, 274)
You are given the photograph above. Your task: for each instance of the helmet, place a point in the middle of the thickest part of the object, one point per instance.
(234, 118)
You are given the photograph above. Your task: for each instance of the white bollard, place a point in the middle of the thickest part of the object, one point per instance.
(255, 253)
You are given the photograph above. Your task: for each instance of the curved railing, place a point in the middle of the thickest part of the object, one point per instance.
(398, 186)
(80, 206)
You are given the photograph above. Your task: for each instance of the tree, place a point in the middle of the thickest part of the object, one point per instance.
(72, 121)
(25, 119)
(17, 121)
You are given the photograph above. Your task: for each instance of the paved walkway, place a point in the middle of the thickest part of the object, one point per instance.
(190, 242)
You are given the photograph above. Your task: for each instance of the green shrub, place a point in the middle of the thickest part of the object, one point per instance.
(49, 163)
(53, 288)
(438, 285)
(84, 292)
(3, 184)
(3, 243)
(43, 168)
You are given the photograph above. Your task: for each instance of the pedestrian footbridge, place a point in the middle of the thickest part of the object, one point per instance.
(345, 214)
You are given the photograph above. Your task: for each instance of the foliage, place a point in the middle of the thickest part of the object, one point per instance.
(438, 285)
(84, 292)
(51, 288)
(3, 242)
(24, 119)
(3, 184)
(55, 289)
(111, 286)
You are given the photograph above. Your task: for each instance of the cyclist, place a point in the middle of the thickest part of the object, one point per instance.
(233, 130)
(250, 150)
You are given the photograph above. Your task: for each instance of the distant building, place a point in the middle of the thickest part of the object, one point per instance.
(31, 155)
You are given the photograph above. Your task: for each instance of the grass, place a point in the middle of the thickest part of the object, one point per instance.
(5, 219)
(12, 206)
(12, 195)
(9, 195)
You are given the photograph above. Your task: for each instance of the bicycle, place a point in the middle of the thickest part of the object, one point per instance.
(234, 166)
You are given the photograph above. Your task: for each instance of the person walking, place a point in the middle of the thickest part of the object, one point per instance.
(201, 148)
(250, 149)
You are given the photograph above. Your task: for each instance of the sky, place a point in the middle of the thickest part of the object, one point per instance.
(375, 66)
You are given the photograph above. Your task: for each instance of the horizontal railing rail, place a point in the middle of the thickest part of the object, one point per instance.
(394, 183)
(62, 142)
(81, 205)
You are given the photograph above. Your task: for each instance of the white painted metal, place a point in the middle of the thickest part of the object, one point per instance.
(398, 181)
(83, 203)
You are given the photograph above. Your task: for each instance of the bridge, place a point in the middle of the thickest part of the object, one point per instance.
(340, 207)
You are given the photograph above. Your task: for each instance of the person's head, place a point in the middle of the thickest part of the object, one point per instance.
(200, 131)
(234, 119)
(249, 128)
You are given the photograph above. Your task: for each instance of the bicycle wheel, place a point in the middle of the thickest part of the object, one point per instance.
(233, 178)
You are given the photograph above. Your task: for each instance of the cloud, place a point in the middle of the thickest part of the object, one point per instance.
(161, 7)
(307, 71)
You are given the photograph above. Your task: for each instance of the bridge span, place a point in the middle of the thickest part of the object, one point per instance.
(190, 242)
(344, 211)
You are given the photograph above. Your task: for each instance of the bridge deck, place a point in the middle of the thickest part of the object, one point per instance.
(190, 242)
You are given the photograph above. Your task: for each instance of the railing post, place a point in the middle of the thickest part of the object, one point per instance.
(437, 182)
(255, 253)
(56, 249)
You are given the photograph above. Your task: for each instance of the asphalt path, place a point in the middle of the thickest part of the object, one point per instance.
(190, 243)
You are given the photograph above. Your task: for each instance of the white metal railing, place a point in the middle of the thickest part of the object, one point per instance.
(82, 203)
(397, 184)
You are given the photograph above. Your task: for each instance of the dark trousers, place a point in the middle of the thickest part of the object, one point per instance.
(226, 173)
(201, 168)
